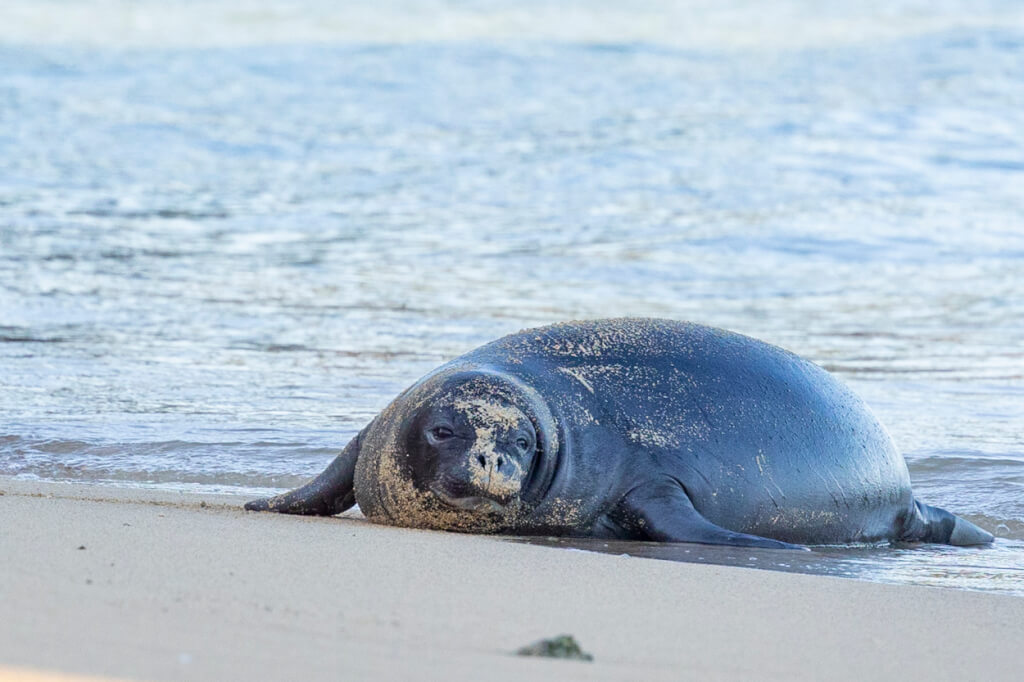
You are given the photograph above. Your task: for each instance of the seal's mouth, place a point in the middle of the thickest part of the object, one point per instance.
(473, 503)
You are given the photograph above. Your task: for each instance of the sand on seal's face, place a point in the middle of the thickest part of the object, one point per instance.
(492, 420)
(494, 404)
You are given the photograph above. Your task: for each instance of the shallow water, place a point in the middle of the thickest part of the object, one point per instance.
(231, 232)
(994, 569)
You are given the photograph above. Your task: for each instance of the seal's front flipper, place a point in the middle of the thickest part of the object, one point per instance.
(663, 512)
(932, 524)
(332, 492)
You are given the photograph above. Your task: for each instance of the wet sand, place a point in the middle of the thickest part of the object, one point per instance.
(137, 584)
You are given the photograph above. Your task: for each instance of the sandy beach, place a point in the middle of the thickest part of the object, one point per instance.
(136, 584)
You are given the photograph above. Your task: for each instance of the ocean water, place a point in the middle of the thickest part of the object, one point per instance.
(231, 232)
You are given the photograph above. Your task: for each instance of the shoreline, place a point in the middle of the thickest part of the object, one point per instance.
(189, 586)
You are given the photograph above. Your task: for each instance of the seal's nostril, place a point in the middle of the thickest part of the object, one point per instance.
(482, 460)
(499, 462)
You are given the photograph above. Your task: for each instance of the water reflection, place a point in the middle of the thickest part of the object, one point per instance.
(988, 569)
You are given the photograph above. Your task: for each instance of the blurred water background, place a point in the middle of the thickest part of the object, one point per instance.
(231, 232)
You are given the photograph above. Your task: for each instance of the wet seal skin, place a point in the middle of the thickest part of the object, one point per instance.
(638, 429)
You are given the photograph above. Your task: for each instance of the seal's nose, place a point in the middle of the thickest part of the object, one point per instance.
(485, 461)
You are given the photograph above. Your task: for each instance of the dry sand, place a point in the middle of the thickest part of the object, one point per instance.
(190, 587)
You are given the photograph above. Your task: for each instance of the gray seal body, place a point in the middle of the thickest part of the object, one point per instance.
(633, 429)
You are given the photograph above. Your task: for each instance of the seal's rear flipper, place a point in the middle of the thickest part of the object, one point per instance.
(332, 492)
(663, 512)
(932, 524)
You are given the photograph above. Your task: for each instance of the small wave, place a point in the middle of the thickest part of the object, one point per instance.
(251, 467)
(162, 213)
(19, 335)
(963, 462)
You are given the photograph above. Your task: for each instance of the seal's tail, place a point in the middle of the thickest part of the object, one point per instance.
(932, 524)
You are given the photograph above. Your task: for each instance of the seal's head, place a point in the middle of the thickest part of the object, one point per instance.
(462, 449)
(472, 451)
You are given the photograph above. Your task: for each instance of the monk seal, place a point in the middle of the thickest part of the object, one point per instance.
(638, 429)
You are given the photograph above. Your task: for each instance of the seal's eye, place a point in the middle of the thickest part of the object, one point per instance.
(441, 432)
(522, 443)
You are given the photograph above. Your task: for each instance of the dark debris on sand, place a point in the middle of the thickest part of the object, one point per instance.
(563, 646)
